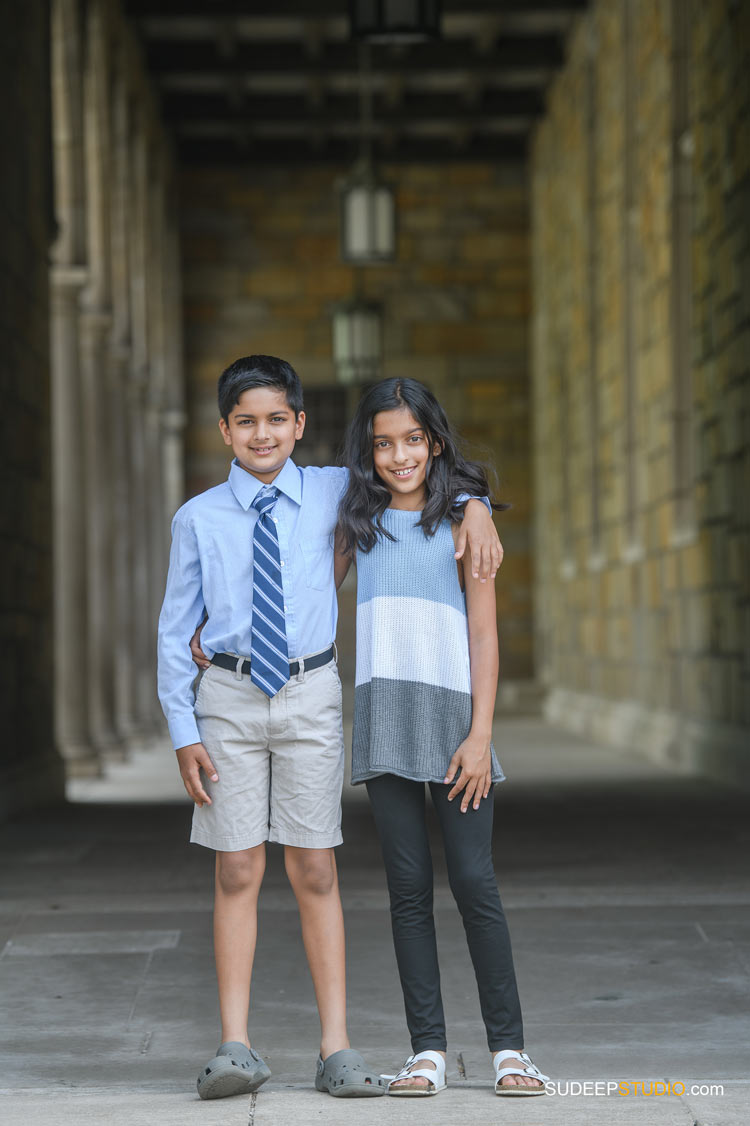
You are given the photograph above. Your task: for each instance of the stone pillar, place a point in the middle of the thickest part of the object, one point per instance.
(70, 597)
(124, 607)
(95, 343)
(68, 276)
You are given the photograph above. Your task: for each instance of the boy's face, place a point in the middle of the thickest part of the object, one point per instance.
(262, 430)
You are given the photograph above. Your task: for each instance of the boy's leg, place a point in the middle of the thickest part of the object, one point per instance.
(238, 879)
(312, 874)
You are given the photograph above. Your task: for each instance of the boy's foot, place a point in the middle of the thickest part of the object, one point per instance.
(516, 1074)
(234, 1070)
(345, 1075)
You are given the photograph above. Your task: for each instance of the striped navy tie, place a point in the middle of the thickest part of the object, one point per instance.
(269, 655)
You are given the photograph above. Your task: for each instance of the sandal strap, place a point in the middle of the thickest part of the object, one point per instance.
(435, 1076)
(531, 1070)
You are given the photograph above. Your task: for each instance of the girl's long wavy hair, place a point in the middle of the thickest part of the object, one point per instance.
(448, 474)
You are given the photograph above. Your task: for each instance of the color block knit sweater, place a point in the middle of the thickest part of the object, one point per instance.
(412, 704)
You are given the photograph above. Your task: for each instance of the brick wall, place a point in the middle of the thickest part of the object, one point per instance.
(31, 771)
(262, 274)
(641, 198)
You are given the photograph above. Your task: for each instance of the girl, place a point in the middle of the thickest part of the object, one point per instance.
(427, 666)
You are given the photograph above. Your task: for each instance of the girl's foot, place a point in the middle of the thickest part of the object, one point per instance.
(516, 1061)
(418, 1062)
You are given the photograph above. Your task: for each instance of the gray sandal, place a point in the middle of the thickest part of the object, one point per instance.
(234, 1070)
(345, 1075)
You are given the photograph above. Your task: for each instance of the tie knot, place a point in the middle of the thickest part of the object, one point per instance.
(265, 499)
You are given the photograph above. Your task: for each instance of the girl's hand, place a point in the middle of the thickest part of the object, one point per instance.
(199, 656)
(473, 759)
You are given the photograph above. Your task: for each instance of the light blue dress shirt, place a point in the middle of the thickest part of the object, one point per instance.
(211, 572)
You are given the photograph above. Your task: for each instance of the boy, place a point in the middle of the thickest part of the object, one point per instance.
(255, 554)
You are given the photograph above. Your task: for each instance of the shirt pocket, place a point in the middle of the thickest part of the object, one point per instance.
(317, 553)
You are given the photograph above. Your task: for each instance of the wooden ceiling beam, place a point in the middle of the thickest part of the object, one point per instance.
(516, 53)
(220, 151)
(337, 108)
(304, 9)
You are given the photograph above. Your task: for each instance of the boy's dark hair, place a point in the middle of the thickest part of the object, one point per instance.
(258, 371)
(366, 497)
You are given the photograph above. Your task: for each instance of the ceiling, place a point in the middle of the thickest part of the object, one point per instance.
(279, 81)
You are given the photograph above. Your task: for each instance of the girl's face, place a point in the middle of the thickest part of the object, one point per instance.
(401, 454)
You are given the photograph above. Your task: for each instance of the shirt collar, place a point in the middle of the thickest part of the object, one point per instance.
(246, 487)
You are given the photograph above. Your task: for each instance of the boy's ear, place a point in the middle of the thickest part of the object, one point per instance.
(225, 432)
(299, 428)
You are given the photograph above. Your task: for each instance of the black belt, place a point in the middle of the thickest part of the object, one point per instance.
(227, 661)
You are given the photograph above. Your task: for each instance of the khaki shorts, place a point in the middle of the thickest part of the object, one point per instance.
(280, 761)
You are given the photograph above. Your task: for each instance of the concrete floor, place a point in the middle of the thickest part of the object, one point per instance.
(626, 891)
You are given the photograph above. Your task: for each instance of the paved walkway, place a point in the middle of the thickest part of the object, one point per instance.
(627, 895)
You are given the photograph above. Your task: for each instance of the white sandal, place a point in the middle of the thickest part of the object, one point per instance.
(436, 1077)
(530, 1070)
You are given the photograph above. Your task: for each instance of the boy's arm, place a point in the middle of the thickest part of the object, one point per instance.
(477, 532)
(181, 611)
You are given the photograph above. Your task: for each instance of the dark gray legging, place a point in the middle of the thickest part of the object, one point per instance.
(398, 805)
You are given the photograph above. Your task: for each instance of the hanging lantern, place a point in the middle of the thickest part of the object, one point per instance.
(357, 341)
(368, 218)
(395, 21)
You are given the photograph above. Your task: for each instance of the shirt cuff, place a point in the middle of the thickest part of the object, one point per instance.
(463, 497)
(183, 731)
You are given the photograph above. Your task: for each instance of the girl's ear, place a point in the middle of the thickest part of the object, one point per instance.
(437, 449)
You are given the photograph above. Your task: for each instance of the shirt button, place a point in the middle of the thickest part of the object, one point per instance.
(274, 520)
(282, 562)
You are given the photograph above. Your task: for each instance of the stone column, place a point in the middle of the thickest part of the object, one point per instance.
(141, 482)
(95, 343)
(70, 597)
(67, 278)
(124, 607)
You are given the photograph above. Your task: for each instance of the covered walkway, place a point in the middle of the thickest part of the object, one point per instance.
(626, 889)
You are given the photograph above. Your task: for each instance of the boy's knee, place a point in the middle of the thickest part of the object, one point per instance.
(312, 871)
(238, 872)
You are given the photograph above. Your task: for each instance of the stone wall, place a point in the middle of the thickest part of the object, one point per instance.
(116, 383)
(263, 274)
(641, 331)
(31, 771)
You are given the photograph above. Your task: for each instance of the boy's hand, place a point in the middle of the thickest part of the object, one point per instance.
(199, 656)
(477, 530)
(475, 779)
(192, 760)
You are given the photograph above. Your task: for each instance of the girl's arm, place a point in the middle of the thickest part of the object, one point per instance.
(473, 756)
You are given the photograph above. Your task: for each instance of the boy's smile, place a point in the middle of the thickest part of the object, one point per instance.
(262, 430)
(401, 454)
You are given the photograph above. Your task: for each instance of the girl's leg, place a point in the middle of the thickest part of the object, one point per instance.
(238, 879)
(468, 852)
(398, 806)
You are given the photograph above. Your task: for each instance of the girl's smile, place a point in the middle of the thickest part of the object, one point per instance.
(401, 456)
